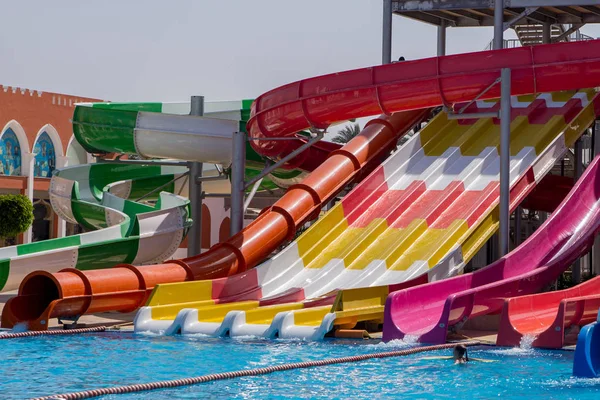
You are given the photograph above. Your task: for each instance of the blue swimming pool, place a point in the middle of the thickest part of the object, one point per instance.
(51, 365)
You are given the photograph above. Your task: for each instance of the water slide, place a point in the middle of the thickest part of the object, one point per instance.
(429, 311)
(547, 317)
(419, 217)
(548, 194)
(586, 362)
(317, 103)
(165, 130)
(102, 197)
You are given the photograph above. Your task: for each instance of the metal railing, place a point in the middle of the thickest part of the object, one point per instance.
(576, 36)
(508, 44)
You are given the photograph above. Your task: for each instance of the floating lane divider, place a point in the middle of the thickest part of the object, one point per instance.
(87, 394)
(15, 335)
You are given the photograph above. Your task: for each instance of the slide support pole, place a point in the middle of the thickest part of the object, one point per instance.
(505, 107)
(386, 38)
(195, 190)
(237, 182)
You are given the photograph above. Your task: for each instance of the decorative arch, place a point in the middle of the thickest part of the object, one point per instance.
(42, 210)
(45, 150)
(43, 224)
(54, 137)
(13, 146)
(76, 154)
(20, 132)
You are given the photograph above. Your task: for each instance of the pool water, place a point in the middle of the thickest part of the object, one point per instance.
(51, 365)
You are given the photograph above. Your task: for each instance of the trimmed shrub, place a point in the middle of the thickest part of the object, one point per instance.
(16, 214)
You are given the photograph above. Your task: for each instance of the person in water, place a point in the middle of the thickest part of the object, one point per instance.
(460, 354)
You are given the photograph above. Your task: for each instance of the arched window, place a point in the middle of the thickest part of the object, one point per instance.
(42, 221)
(10, 154)
(76, 155)
(45, 157)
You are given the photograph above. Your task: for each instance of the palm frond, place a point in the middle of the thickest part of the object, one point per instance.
(346, 134)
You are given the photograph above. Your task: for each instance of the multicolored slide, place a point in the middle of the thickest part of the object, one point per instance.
(546, 317)
(430, 311)
(318, 103)
(423, 213)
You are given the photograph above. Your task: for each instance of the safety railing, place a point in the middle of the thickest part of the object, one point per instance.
(576, 36)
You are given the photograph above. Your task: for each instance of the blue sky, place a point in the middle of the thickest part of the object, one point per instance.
(167, 51)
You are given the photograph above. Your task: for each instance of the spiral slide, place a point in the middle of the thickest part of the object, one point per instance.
(165, 130)
(102, 198)
(418, 217)
(430, 310)
(318, 103)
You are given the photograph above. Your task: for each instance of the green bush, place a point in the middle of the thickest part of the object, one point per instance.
(16, 214)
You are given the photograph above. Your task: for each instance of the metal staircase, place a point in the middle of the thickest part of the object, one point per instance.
(530, 35)
(533, 34)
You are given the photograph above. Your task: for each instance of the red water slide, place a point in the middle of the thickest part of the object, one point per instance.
(310, 158)
(315, 103)
(548, 194)
(546, 316)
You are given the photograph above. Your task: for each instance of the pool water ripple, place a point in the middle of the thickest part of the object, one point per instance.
(51, 365)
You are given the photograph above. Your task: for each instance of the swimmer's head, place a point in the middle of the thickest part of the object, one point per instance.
(460, 353)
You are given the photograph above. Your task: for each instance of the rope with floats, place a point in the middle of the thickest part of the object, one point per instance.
(250, 372)
(15, 335)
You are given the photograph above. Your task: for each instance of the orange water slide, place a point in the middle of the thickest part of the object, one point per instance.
(71, 292)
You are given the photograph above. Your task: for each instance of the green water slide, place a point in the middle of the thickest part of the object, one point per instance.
(102, 198)
(134, 213)
(166, 130)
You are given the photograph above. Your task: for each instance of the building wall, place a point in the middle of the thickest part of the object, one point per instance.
(41, 123)
(33, 109)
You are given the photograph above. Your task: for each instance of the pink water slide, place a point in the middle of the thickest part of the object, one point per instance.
(429, 311)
